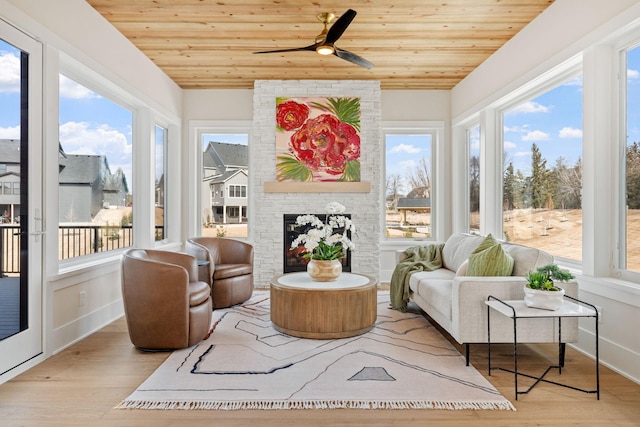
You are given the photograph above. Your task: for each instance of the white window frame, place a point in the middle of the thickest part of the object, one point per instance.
(439, 180)
(198, 128)
(619, 215)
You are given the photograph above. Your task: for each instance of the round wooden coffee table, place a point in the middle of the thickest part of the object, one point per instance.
(323, 310)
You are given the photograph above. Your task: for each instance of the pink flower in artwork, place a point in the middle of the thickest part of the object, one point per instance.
(291, 115)
(326, 143)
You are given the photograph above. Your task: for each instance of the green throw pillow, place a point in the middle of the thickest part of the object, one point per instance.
(489, 259)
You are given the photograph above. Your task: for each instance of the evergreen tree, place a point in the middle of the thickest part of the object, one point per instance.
(633, 176)
(509, 187)
(539, 179)
(474, 184)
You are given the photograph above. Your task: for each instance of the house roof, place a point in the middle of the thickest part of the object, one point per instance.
(219, 179)
(80, 168)
(9, 151)
(223, 155)
(414, 203)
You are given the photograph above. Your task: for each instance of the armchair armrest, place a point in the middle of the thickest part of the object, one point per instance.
(201, 253)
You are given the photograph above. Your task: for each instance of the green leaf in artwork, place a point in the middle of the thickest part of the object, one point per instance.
(347, 110)
(289, 168)
(351, 171)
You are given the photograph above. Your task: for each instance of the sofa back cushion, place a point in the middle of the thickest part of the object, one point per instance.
(459, 246)
(526, 258)
(457, 249)
(489, 259)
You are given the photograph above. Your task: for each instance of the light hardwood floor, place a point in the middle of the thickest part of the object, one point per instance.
(81, 385)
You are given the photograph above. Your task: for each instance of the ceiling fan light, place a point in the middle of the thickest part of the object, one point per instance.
(325, 49)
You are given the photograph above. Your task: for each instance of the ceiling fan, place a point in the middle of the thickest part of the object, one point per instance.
(325, 41)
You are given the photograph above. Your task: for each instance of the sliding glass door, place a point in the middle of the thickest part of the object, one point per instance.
(21, 225)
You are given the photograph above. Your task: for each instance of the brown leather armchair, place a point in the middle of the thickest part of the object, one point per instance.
(228, 268)
(165, 304)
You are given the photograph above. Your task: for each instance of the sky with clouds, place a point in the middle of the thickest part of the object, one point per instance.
(92, 124)
(89, 123)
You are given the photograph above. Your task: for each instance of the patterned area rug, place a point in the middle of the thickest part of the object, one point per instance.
(402, 363)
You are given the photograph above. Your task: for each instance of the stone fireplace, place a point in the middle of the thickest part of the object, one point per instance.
(364, 205)
(293, 258)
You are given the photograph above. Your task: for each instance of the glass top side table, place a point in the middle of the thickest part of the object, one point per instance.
(517, 309)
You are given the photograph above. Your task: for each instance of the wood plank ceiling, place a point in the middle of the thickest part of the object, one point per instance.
(413, 44)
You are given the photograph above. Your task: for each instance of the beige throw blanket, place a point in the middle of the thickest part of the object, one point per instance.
(418, 258)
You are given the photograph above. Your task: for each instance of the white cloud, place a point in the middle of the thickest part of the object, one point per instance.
(10, 132)
(73, 90)
(408, 165)
(406, 148)
(522, 128)
(9, 72)
(633, 74)
(82, 138)
(508, 145)
(569, 132)
(529, 107)
(536, 135)
(522, 153)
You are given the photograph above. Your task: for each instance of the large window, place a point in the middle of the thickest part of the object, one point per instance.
(95, 169)
(542, 181)
(161, 137)
(408, 185)
(631, 205)
(225, 164)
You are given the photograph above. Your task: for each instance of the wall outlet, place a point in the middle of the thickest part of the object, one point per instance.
(82, 298)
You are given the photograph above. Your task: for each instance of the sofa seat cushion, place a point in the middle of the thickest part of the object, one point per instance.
(224, 271)
(198, 293)
(438, 293)
(438, 274)
(489, 259)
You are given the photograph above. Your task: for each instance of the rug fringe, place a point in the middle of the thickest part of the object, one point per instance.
(316, 404)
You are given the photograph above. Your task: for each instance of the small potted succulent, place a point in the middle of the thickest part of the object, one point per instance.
(542, 290)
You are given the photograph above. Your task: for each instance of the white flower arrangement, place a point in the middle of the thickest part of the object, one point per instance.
(320, 241)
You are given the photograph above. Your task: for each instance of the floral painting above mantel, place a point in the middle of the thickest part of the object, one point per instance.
(318, 139)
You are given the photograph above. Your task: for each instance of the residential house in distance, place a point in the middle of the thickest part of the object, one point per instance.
(9, 180)
(86, 186)
(224, 183)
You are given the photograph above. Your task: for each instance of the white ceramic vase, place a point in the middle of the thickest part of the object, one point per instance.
(548, 300)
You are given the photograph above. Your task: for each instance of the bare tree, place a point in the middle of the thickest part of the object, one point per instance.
(420, 180)
(394, 182)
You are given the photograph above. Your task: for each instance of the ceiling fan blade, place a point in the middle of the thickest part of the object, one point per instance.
(340, 26)
(353, 58)
(294, 49)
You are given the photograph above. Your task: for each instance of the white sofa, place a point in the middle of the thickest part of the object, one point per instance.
(457, 302)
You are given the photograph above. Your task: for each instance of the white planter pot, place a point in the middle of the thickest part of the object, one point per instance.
(548, 300)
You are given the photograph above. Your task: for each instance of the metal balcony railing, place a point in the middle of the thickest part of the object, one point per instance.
(73, 241)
